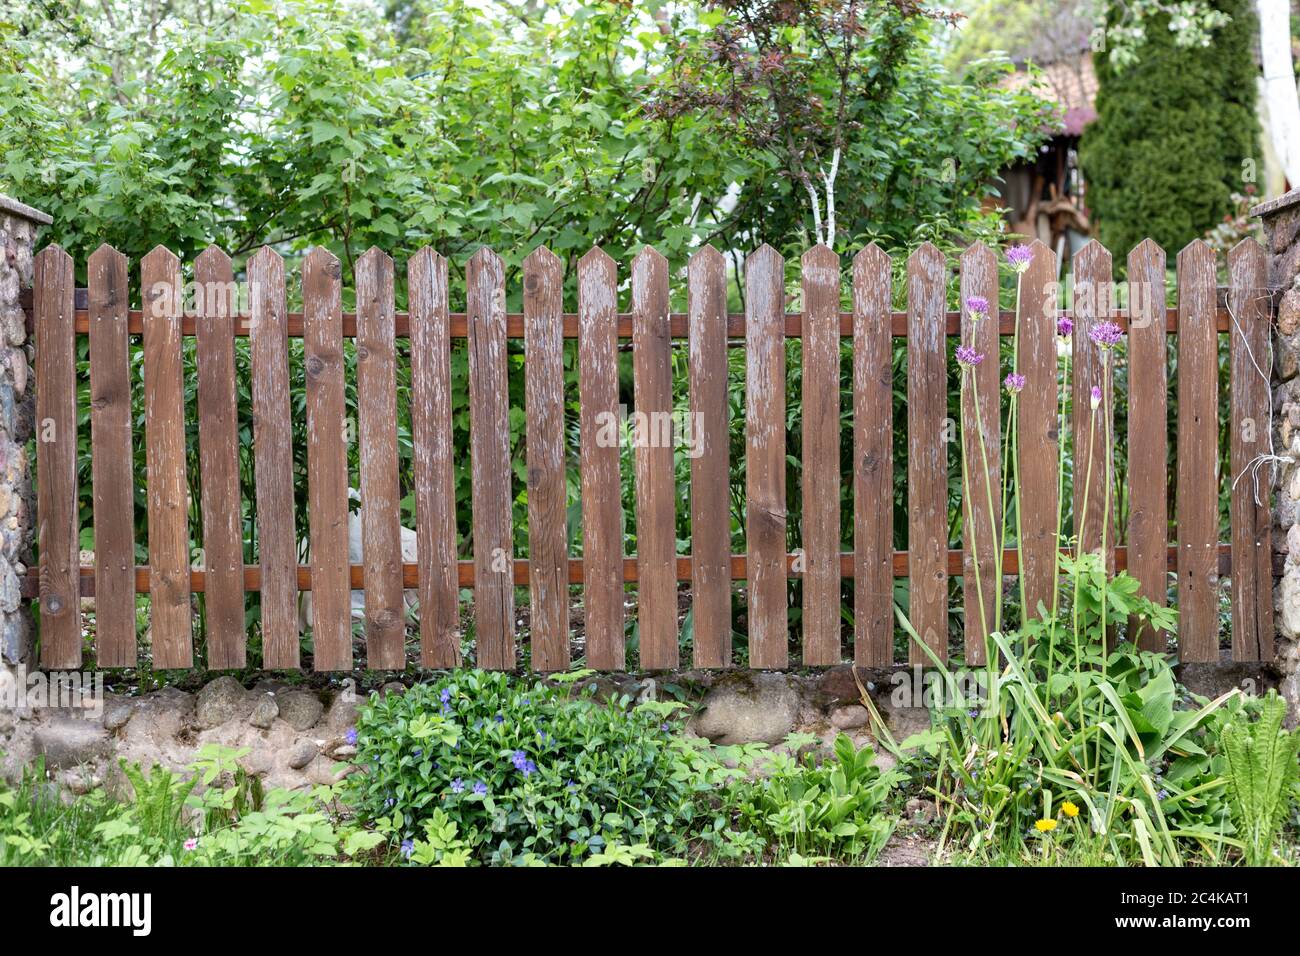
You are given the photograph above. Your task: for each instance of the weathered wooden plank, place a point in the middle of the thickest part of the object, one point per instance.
(656, 491)
(381, 524)
(547, 490)
(873, 461)
(58, 527)
(1197, 516)
(765, 506)
(1094, 303)
(223, 532)
(327, 461)
(489, 409)
(602, 507)
(710, 443)
(927, 461)
(277, 537)
(982, 447)
(111, 460)
(435, 490)
(821, 478)
(1038, 429)
(1148, 444)
(164, 419)
(1252, 576)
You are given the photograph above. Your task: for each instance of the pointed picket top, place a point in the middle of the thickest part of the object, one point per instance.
(542, 258)
(1196, 251)
(160, 255)
(765, 255)
(105, 251)
(870, 258)
(485, 258)
(429, 253)
(705, 257)
(1147, 247)
(1244, 251)
(820, 257)
(928, 254)
(53, 252)
(318, 257)
(213, 256)
(595, 255)
(649, 254)
(976, 252)
(1093, 255)
(374, 258)
(266, 258)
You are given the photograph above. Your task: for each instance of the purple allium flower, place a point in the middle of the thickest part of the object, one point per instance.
(978, 307)
(1106, 335)
(458, 785)
(968, 357)
(1064, 327)
(1020, 257)
(408, 847)
(480, 788)
(351, 736)
(1094, 397)
(1014, 383)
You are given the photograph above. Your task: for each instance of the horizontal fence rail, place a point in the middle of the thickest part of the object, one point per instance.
(162, 323)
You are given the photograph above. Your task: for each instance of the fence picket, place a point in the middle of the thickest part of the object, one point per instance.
(381, 541)
(1148, 449)
(489, 410)
(327, 461)
(548, 560)
(111, 459)
(1252, 572)
(710, 482)
(1038, 430)
(656, 492)
(821, 479)
(223, 527)
(927, 461)
(981, 416)
(164, 418)
(435, 489)
(56, 459)
(1093, 304)
(1198, 455)
(277, 537)
(765, 507)
(873, 461)
(602, 501)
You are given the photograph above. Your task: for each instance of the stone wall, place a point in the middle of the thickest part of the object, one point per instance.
(19, 225)
(1281, 219)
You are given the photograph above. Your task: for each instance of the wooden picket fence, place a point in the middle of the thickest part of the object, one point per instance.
(604, 570)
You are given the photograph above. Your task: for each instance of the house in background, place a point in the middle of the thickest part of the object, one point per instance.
(1046, 199)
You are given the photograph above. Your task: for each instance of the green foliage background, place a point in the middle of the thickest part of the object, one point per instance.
(1176, 134)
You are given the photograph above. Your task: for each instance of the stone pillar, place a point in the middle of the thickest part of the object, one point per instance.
(18, 227)
(1281, 219)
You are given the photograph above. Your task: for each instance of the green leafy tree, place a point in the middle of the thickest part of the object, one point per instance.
(1176, 134)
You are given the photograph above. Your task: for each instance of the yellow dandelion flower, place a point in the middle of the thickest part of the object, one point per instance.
(1069, 809)
(1045, 826)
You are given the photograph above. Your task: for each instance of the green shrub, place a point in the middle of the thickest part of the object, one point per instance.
(828, 809)
(522, 771)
